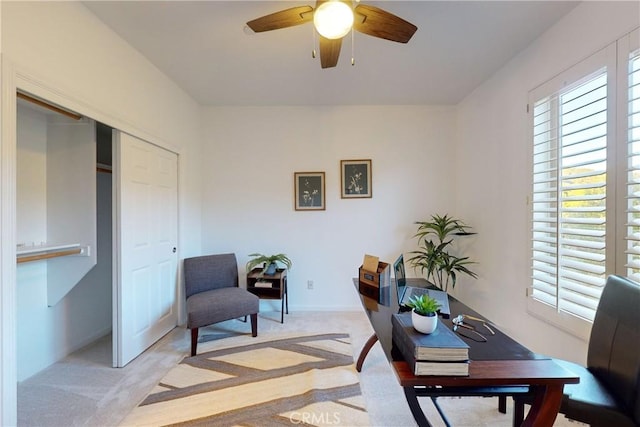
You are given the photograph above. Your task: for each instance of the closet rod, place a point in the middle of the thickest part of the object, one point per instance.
(48, 255)
(51, 107)
(103, 168)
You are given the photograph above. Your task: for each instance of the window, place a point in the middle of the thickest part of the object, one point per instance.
(633, 174)
(577, 184)
(569, 196)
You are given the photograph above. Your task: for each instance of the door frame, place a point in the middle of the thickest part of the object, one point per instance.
(12, 79)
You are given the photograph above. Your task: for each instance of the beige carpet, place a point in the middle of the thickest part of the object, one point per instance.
(309, 379)
(83, 390)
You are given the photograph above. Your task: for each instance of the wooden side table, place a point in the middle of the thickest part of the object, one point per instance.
(270, 287)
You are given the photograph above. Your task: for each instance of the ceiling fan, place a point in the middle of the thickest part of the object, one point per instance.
(332, 26)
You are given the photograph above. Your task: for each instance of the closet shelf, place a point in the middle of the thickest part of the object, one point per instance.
(40, 252)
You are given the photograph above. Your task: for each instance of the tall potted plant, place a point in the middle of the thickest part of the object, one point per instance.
(434, 257)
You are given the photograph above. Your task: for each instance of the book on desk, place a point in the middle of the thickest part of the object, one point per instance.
(439, 353)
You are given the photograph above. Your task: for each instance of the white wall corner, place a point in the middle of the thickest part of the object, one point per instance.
(8, 357)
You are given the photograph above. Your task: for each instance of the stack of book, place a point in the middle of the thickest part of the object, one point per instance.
(439, 353)
(263, 284)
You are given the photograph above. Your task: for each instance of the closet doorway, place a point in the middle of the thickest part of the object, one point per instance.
(134, 217)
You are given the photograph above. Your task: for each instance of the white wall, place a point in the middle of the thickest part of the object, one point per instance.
(31, 227)
(8, 372)
(492, 157)
(31, 205)
(62, 52)
(250, 155)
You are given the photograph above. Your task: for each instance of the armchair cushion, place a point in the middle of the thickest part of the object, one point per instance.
(218, 305)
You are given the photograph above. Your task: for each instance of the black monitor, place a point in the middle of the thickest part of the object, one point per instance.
(399, 274)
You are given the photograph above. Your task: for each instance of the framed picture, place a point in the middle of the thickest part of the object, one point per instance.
(309, 191)
(355, 178)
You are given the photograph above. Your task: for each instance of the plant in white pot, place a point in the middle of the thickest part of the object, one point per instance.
(270, 263)
(424, 315)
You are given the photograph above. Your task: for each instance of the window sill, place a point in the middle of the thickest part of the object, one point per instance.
(569, 323)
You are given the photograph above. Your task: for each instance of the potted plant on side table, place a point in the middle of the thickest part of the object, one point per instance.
(270, 263)
(424, 315)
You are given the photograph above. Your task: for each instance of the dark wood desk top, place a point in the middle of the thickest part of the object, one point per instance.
(492, 372)
(499, 361)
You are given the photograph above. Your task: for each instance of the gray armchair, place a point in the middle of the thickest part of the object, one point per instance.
(213, 295)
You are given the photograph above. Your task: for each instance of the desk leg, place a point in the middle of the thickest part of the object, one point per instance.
(502, 404)
(365, 350)
(434, 399)
(414, 405)
(545, 407)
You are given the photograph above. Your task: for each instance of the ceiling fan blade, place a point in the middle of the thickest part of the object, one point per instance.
(376, 22)
(329, 52)
(283, 19)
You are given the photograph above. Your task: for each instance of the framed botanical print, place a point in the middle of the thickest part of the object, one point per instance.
(355, 178)
(309, 194)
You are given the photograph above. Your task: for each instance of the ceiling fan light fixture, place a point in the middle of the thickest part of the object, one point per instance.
(333, 19)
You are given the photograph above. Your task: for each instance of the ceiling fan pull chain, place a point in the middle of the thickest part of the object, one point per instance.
(353, 48)
(313, 42)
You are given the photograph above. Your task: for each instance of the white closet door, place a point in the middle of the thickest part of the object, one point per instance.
(146, 234)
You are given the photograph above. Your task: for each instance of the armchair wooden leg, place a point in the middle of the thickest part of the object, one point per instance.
(194, 340)
(254, 325)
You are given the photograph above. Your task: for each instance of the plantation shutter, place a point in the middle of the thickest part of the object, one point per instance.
(569, 196)
(633, 172)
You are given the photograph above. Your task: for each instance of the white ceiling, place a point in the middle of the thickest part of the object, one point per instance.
(205, 48)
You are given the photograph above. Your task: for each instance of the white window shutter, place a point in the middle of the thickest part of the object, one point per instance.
(633, 172)
(569, 196)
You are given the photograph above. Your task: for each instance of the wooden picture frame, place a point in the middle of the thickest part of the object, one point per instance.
(309, 193)
(355, 179)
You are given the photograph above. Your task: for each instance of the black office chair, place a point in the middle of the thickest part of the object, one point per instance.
(213, 295)
(608, 393)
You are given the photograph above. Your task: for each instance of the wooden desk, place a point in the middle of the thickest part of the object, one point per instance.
(507, 368)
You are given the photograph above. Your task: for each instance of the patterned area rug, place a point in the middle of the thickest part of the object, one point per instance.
(308, 380)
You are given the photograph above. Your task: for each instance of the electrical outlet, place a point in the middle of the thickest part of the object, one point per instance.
(309, 284)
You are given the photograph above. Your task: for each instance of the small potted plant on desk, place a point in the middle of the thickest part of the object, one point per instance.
(424, 315)
(270, 263)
